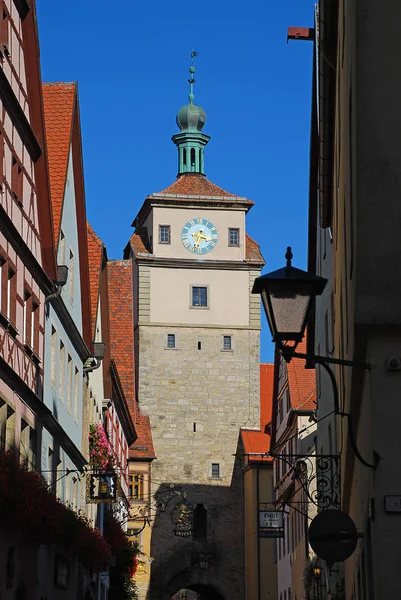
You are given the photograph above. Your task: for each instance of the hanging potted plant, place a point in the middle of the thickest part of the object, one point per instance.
(100, 452)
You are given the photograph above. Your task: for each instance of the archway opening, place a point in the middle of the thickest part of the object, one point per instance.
(198, 592)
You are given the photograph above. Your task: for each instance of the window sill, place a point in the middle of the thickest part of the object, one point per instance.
(200, 307)
(215, 478)
(227, 350)
(171, 348)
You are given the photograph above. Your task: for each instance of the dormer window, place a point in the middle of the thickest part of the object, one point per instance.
(164, 234)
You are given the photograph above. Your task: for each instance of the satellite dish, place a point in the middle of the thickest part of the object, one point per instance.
(333, 536)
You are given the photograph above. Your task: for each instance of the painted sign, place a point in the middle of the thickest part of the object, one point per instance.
(271, 523)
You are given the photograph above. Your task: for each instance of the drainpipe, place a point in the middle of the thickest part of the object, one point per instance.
(62, 276)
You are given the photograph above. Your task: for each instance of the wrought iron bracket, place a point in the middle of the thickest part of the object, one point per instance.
(319, 476)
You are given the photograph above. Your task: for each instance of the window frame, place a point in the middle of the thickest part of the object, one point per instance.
(223, 340)
(174, 339)
(213, 475)
(230, 244)
(168, 228)
(191, 297)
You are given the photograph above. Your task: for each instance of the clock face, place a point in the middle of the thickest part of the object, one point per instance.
(199, 236)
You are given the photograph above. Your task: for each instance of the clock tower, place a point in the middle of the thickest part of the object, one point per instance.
(197, 331)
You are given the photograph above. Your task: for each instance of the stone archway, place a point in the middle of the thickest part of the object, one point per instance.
(202, 584)
(206, 592)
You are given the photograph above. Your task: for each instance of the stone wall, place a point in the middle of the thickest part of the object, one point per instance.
(197, 400)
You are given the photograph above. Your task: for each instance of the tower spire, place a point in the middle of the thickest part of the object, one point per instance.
(191, 79)
(191, 141)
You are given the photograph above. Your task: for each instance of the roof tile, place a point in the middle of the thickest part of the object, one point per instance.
(256, 443)
(95, 254)
(143, 446)
(195, 184)
(58, 99)
(266, 393)
(302, 382)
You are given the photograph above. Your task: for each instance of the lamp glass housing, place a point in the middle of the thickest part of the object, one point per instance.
(287, 296)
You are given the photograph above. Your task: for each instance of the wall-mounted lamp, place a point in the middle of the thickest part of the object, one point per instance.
(99, 349)
(62, 276)
(317, 570)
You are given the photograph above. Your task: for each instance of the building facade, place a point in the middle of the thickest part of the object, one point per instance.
(197, 365)
(355, 134)
(260, 551)
(294, 456)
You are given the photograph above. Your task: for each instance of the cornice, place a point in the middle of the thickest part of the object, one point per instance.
(22, 7)
(70, 328)
(43, 412)
(9, 230)
(195, 326)
(190, 201)
(17, 116)
(181, 263)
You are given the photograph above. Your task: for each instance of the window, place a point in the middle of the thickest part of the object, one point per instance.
(11, 293)
(134, 535)
(170, 340)
(62, 371)
(71, 277)
(199, 296)
(4, 43)
(69, 384)
(53, 358)
(27, 323)
(215, 470)
(200, 523)
(135, 487)
(233, 236)
(76, 394)
(61, 249)
(16, 180)
(164, 234)
(34, 340)
(227, 342)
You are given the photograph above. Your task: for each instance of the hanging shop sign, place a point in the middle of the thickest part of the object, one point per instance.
(271, 523)
(182, 518)
(102, 487)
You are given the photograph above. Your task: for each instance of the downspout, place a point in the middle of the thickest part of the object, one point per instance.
(257, 530)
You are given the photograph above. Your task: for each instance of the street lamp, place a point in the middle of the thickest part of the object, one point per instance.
(287, 296)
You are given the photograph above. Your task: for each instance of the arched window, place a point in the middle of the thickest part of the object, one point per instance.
(200, 523)
(185, 160)
(192, 159)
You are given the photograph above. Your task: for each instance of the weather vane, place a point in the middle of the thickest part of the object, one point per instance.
(191, 80)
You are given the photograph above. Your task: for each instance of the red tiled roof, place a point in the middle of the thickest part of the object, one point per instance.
(95, 254)
(58, 99)
(139, 241)
(143, 446)
(302, 382)
(252, 251)
(122, 350)
(256, 442)
(266, 393)
(121, 326)
(195, 184)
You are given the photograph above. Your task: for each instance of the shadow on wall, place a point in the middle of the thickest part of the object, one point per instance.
(198, 540)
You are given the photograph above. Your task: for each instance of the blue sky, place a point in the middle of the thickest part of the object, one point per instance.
(131, 62)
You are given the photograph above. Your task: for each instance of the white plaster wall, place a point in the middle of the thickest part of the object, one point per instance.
(70, 230)
(177, 217)
(170, 296)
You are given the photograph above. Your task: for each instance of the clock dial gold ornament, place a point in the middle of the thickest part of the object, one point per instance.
(199, 236)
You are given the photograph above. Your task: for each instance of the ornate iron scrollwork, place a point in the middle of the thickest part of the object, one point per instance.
(320, 478)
